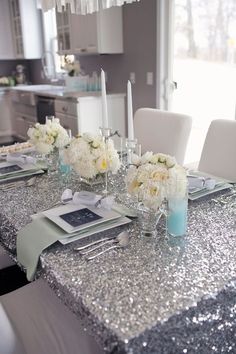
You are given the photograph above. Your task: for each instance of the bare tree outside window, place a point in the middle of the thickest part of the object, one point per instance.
(209, 28)
(204, 65)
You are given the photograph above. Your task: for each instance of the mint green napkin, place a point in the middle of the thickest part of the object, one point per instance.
(33, 239)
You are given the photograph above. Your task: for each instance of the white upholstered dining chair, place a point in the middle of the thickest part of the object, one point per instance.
(34, 321)
(162, 131)
(218, 155)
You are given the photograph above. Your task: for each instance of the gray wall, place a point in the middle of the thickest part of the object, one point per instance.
(8, 67)
(139, 22)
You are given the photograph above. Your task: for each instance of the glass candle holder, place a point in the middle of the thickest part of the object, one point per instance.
(131, 146)
(106, 134)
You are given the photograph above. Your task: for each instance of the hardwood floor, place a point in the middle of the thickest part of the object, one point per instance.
(11, 278)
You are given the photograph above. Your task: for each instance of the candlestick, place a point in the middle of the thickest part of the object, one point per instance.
(130, 112)
(104, 101)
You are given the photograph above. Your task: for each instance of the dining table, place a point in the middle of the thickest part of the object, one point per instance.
(162, 295)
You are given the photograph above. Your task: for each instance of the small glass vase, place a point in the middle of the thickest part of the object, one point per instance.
(148, 219)
(176, 219)
(53, 161)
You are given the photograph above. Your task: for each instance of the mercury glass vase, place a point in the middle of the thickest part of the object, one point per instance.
(148, 219)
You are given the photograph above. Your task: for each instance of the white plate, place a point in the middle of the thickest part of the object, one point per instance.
(203, 192)
(20, 176)
(56, 215)
(22, 168)
(95, 229)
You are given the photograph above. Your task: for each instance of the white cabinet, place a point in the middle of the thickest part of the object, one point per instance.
(26, 29)
(85, 115)
(6, 43)
(100, 32)
(63, 31)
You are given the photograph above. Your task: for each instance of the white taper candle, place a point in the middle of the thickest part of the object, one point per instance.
(104, 101)
(130, 112)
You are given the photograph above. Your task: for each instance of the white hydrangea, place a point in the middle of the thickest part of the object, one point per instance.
(154, 177)
(89, 155)
(46, 137)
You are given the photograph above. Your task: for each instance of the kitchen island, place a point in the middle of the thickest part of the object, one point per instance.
(78, 111)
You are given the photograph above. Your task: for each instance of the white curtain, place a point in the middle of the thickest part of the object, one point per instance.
(81, 6)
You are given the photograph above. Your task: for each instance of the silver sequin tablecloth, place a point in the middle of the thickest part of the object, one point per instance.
(168, 296)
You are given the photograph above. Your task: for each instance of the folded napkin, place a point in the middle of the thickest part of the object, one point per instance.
(33, 239)
(17, 157)
(87, 198)
(201, 182)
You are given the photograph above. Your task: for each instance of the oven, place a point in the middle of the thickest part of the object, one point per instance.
(45, 107)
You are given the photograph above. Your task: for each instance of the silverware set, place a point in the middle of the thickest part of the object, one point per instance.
(119, 241)
(19, 183)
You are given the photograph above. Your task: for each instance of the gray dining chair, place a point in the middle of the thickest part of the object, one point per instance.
(218, 155)
(162, 131)
(5, 260)
(34, 321)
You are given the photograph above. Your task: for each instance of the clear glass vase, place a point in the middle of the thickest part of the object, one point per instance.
(52, 162)
(148, 219)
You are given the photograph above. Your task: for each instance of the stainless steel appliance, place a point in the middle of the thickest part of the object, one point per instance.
(45, 107)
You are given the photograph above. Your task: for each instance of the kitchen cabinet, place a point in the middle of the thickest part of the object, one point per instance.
(64, 31)
(25, 29)
(24, 112)
(5, 114)
(97, 33)
(6, 43)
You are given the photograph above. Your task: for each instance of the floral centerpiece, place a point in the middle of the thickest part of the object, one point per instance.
(71, 66)
(48, 137)
(155, 177)
(90, 156)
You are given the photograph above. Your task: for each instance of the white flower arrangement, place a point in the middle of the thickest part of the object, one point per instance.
(89, 156)
(46, 137)
(153, 177)
(71, 66)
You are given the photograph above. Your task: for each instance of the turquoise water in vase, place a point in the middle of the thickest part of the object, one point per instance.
(177, 217)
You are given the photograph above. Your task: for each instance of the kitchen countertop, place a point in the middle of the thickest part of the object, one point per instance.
(61, 92)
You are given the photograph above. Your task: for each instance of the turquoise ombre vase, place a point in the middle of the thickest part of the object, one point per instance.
(177, 216)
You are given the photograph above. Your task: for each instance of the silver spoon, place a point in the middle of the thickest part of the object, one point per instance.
(123, 242)
(119, 238)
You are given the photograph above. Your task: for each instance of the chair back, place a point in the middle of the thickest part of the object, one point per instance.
(218, 155)
(162, 131)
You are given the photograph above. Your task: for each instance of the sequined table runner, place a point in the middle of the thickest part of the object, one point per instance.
(166, 296)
